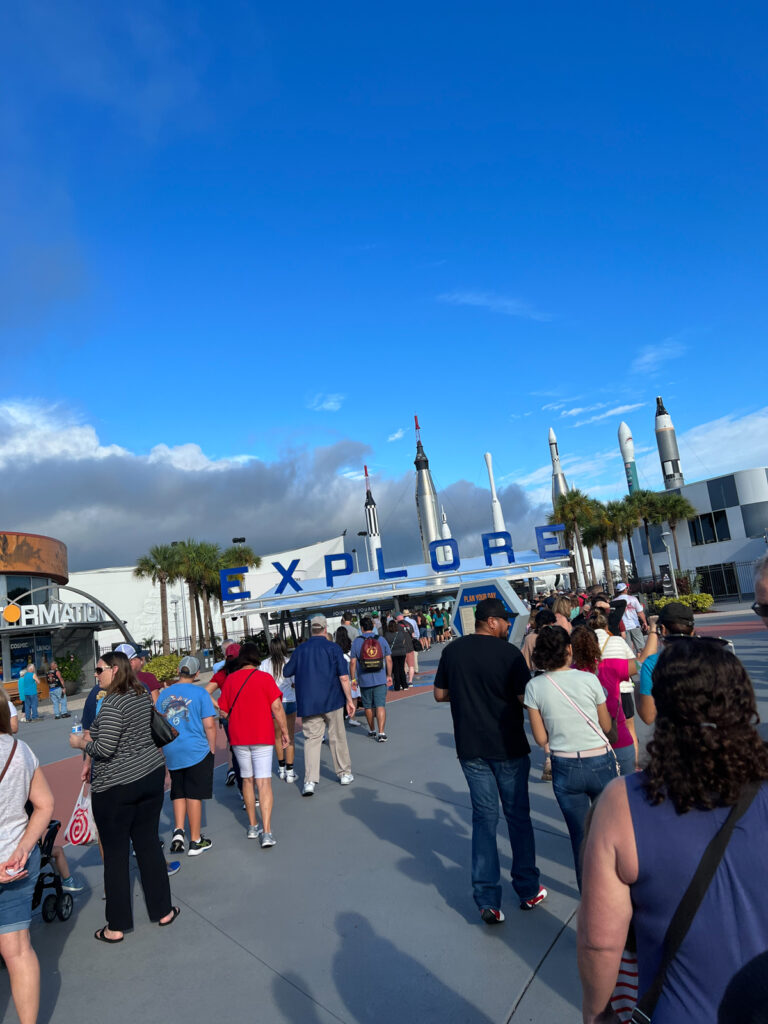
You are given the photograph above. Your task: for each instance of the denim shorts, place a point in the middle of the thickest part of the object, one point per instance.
(374, 696)
(289, 707)
(16, 897)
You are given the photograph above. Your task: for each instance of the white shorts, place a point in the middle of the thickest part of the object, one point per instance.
(255, 762)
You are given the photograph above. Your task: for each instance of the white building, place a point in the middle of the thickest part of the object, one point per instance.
(727, 536)
(137, 601)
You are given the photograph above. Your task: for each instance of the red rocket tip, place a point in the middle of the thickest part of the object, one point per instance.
(366, 472)
(416, 421)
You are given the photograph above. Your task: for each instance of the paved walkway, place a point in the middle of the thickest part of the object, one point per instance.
(362, 912)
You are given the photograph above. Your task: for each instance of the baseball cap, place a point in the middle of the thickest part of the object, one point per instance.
(675, 612)
(127, 649)
(490, 608)
(620, 587)
(232, 650)
(318, 620)
(189, 666)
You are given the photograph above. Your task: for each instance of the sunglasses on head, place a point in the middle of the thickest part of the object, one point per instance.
(760, 609)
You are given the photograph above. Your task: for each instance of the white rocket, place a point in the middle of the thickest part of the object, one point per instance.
(373, 539)
(627, 446)
(426, 497)
(496, 514)
(559, 483)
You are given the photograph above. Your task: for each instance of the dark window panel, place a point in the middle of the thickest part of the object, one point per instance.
(708, 528)
(755, 518)
(722, 492)
(721, 525)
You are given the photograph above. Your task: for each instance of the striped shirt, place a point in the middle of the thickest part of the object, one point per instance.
(121, 745)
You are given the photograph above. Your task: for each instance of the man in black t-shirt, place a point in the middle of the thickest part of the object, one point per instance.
(484, 679)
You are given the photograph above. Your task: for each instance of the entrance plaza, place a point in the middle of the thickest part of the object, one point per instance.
(362, 912)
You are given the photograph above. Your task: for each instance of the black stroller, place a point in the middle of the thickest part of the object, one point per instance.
(57, 903)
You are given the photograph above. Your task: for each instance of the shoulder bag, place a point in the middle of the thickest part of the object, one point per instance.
(229, 713)
(162, 731)
(688, 907)
(8, 761)
(588, 720)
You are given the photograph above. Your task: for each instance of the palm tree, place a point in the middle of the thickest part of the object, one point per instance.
(572, 509)
(160, 566)
(675, 509)
(233, 558)
(645, 505)
(620, 527)
(597, 533)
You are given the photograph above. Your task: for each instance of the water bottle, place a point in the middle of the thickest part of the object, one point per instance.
(77, 725)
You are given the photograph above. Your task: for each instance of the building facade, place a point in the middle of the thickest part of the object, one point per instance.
(723, 541)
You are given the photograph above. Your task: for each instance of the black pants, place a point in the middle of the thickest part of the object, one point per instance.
(399, 678)
(132, 813)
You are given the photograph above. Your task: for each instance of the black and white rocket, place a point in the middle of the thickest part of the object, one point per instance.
(373, 537)
(559, 483)
(426, 497)
(668, 453)
(496, 514)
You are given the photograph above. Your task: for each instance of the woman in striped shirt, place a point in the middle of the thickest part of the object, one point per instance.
(127, 788)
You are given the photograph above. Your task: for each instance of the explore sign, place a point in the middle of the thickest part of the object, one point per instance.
(14, 615)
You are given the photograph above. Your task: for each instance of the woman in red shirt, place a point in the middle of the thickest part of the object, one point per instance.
(251, 699)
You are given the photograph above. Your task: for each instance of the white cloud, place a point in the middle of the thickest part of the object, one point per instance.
(496, 303)
(652, 357)
(618, 410)
(580, 410)
(400, 432)
(31, 433)
(326, 403)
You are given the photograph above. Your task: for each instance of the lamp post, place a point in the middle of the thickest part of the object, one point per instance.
(175, 603)
(174, 544)
(364, 533)
(246, 623)
(357, 566)
(664, 536)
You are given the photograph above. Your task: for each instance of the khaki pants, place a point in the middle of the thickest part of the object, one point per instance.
(313, 729)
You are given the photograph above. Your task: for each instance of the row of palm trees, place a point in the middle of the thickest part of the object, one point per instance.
(595, 524)
(198, 564)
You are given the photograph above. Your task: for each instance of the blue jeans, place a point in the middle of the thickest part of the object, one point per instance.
(487, 781)
(626, 758)
(30, 707)
(59, 698)
(577, 783)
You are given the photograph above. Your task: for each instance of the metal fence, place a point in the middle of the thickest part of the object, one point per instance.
(725, 580)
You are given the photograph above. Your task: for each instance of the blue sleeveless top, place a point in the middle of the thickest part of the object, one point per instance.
(731, 925)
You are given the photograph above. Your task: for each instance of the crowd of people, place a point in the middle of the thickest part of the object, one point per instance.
(639, 830)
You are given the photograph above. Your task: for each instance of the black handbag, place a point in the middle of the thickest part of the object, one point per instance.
(163, 732)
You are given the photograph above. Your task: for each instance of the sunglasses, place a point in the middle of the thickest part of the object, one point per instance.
(760, 609)
(100, 670)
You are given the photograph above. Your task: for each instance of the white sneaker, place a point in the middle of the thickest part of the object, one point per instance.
(309, 789)
(346, 778)
(290, 775)
(254, 831)
(281, 771)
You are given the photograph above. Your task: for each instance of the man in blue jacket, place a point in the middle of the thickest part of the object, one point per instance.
(321, 675)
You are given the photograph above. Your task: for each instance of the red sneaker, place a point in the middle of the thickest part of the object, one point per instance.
(491, 915)
(540, 896)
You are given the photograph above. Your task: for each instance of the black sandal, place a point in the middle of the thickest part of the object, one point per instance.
(103, 938)
(164, 924)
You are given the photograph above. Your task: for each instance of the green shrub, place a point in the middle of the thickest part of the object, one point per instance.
(164, 666)
(699, 602)
(71, 668)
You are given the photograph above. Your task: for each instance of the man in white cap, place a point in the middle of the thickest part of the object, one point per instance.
(633, 620)
(137, 659)
(322, 692)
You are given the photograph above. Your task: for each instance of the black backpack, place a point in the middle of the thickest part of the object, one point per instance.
(371, 657)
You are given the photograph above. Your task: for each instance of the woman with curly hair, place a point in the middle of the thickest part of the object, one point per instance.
(587, 652)
(649, 832)
(566, 709)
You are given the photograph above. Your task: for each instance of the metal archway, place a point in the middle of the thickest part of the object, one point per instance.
(83, 593)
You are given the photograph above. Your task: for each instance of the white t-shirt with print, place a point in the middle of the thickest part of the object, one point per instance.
(630, 620)
(13, 816)
(566, 728)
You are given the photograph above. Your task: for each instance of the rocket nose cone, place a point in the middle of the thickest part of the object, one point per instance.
(552, 438)
(625, 433)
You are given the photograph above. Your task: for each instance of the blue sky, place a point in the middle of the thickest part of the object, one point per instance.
(264, 231)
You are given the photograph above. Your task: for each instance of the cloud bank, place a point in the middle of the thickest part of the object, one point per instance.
(109, 504)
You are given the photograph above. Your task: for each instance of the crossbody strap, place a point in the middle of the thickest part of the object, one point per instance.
(587, 719)
(687, 908)
(10, 758)
(241, 690)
